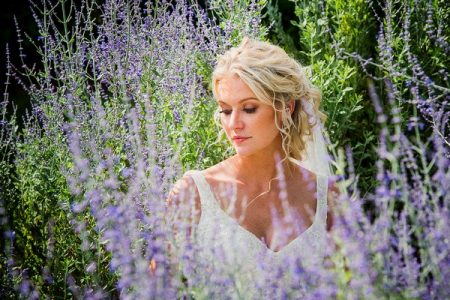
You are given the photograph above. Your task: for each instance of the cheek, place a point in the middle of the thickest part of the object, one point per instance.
(278, 119)
(269, 121)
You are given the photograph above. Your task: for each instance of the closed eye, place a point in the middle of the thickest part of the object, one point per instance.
(225, 112)
(250, 110)
(229, 111)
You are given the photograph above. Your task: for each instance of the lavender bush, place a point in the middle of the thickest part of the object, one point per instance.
(112, 108)
(122, 107)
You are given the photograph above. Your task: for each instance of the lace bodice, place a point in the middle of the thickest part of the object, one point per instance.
(230, 248)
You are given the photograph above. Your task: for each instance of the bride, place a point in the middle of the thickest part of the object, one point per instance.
(271, 199)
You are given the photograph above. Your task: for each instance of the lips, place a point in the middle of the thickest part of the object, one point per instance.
(239, 139)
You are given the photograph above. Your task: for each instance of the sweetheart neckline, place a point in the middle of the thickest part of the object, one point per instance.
(252, 235)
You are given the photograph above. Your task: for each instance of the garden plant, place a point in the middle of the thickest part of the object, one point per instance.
(121, 107)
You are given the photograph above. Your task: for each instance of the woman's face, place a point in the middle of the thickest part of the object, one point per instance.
(248, 123)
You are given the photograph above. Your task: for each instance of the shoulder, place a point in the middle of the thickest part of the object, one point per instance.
(302, 174)
(183, 191)
(186, 188)
(218, 173)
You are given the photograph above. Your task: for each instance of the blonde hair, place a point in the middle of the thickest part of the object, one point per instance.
(275, 78)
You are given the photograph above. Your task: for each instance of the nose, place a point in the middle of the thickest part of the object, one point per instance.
(236, 121)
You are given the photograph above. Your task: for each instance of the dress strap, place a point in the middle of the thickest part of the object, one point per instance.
(322, 199)
(207, 198)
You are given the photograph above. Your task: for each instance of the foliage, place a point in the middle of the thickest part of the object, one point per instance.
(122, 106)
(43, 225)
(7, 192)
(323, 29)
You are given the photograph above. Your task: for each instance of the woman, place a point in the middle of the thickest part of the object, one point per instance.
(262, 202)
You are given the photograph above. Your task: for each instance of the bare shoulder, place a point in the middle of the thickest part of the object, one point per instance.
(218, 173)
(303, 176)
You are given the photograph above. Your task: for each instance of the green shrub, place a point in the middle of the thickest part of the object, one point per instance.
(324, 29)
(47, 245)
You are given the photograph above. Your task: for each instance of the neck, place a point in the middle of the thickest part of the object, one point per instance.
(259, 168)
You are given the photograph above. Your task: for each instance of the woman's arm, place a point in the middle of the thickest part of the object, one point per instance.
(182, 215)
(333, 194)
(183, 203)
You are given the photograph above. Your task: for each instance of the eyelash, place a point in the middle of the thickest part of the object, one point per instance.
(247, 110)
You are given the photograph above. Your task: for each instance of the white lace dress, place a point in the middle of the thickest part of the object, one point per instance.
(241, 265)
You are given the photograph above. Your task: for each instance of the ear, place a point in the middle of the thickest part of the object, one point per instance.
(291, 106)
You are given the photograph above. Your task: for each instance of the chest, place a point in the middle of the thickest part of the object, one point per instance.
(275, 218)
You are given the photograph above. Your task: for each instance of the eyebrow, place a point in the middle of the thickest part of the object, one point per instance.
(240, 101)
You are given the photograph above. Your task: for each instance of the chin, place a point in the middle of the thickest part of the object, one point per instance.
(241, 151)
